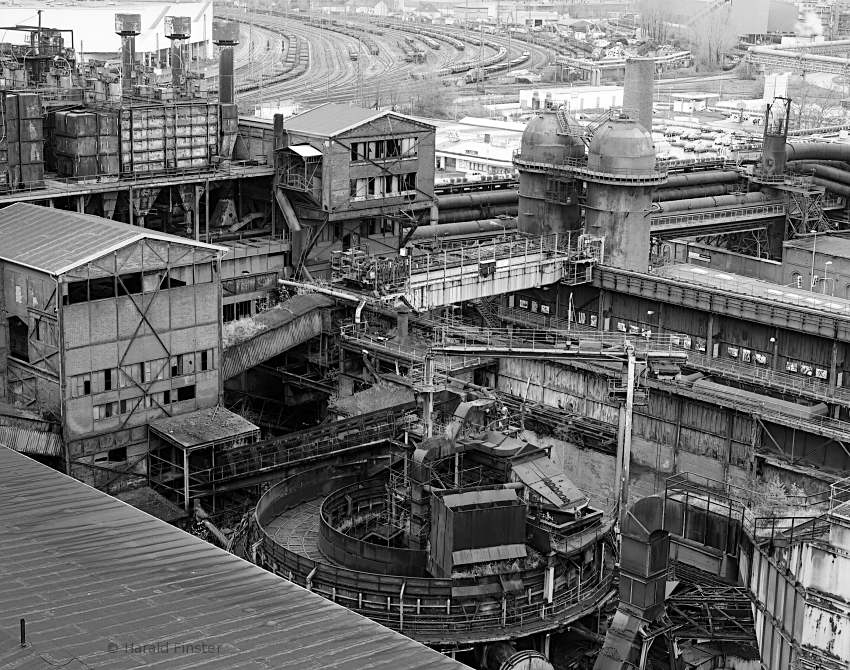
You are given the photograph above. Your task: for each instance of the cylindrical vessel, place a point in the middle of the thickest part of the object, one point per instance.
(618, 203)
(548, 203)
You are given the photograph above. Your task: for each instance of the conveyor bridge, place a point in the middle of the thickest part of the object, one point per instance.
(275, 331)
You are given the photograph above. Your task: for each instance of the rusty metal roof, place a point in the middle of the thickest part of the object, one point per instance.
(102, 584)
(56, 241)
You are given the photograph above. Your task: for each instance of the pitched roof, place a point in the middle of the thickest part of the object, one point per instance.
(103, 584)
(331, 119)
(56, 241)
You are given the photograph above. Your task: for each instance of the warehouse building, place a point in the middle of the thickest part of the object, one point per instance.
(105, 327)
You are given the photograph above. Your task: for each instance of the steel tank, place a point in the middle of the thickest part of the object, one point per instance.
(619, 198)
(548, 203)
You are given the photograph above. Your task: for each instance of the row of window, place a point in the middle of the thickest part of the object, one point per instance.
(382, 187)
(403, 147)
(137, 374)
(108, 410)
(136, 282)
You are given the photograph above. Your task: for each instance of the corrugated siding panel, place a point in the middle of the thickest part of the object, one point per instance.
(270, 343)
(29, 441)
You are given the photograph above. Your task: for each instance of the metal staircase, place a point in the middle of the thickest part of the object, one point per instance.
(488, 314)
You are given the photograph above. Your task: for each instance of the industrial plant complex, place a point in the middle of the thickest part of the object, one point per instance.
(396, 334)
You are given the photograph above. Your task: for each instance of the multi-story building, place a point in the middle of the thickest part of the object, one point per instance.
(105, 327)
(351, 177)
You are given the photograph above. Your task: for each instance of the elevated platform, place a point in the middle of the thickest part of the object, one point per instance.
(715, 221)
(804, 59)
(58, 187)
(456, 274)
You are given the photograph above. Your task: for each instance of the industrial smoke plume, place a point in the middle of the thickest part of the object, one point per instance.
(810, 26)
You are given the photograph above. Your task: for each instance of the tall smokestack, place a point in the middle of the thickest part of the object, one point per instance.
(177, 28)
(225, 35)
(638, 90)
(128, 26)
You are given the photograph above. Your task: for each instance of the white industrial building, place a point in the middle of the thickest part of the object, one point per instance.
(575, 98)
(93, 23)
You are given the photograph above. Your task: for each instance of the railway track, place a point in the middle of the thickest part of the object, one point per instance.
(323, 72)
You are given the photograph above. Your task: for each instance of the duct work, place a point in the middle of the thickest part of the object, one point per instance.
(473, 206)
(645, 547)
(827, 151)
(704, 190)
(741, 200)
(483, 227)
(707, 177)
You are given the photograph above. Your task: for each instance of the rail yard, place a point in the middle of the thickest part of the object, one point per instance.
(505, 336)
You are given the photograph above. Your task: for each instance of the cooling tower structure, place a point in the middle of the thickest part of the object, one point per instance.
(549, 199)
(620, 175)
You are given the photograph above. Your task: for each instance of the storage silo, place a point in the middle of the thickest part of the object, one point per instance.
(548, 199)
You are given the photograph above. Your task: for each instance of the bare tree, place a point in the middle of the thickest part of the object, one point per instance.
(714, 37)
(655, 19)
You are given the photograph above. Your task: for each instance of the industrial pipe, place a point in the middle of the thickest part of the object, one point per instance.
(832, 186)
(711, 202)
(702, 190)
(706, 177)
(830, 173)
(492, 226)
(484, 212)
(800, 151)
(466, 200)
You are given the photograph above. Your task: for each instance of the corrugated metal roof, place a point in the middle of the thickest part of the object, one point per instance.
(502, 552)
(305, 150)
(331, 119)
(96, 578)
(483, 497)
(543, 477)
(55, 241)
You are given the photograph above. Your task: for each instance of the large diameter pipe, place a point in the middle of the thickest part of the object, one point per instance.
(459, 200)
(801, 151)
(484, 212)
(711, 202)
(491, 226)
(663, 194)
(827, 172)
(226, 85)
(677, 180)
(832, 186)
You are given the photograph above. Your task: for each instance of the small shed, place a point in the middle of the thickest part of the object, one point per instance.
(185, 451)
